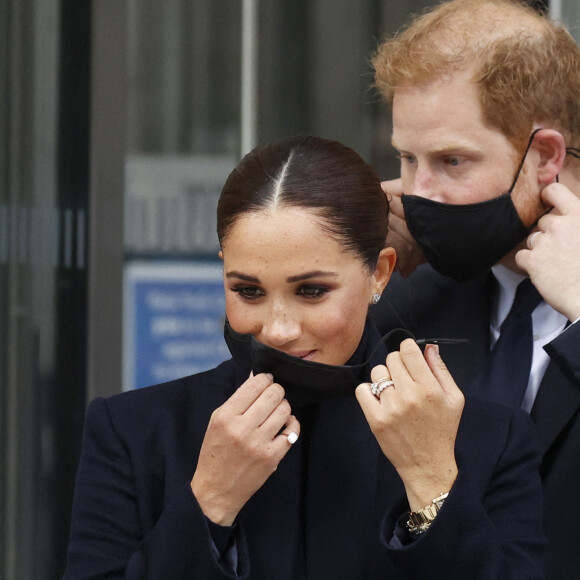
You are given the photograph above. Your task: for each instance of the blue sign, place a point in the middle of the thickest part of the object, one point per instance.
(174, 317)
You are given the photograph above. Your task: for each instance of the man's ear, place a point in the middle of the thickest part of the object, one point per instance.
(221, 255)
(550, 147)
(384, 269)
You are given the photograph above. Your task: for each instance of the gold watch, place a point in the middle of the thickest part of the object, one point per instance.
(420, 520)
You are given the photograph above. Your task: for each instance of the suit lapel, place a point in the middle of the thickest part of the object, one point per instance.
(556, 403)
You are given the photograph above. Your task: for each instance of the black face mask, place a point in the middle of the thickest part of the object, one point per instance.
(309, 382)
(461, 241)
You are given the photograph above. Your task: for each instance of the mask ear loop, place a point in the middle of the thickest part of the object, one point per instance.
(395, 336)
(531, 140)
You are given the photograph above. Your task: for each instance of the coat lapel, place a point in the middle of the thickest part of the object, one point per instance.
(274, 512)
(341, 487)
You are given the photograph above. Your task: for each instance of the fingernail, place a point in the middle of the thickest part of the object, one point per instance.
(270, 376)
(435, 348)
(292, 438)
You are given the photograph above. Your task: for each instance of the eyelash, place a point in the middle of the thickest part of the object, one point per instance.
(318, 291)
(448, 160)
(242, 292)
(407, 158)
(309, 292)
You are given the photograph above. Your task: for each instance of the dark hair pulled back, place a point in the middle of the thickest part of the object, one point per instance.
(311, 173)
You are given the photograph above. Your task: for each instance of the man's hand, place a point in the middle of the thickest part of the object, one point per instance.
(552, 259)
(409, 255)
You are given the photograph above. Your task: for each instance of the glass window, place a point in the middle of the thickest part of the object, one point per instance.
(568, 11)
(207, 81)
(43, 213)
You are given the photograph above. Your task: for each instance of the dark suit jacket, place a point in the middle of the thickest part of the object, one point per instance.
(328, 512)
(429, 304)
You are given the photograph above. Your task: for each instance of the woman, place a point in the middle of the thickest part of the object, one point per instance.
(275, 473)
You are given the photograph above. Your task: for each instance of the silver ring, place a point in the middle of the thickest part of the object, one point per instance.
(379, 386)
(531, 239)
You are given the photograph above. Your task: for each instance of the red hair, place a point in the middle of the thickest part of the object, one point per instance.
(526, 66)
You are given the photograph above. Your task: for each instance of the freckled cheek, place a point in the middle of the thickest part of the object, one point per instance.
(481, 186)
(240, 317)
(342, 333)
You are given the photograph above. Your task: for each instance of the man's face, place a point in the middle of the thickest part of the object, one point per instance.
(449, 154)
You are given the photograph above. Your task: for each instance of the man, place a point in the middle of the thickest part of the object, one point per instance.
(485, 97)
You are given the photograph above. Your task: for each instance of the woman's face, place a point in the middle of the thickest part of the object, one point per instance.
(294, 288)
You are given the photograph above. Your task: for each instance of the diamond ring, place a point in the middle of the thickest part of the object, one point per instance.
(379, 386)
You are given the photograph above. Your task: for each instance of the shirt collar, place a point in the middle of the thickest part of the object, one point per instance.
(508, 282)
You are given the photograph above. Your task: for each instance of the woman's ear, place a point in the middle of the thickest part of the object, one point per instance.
(384, 269)
(550, 146)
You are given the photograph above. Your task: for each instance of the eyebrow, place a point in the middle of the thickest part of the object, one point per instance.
(445, 149)
(290, 279)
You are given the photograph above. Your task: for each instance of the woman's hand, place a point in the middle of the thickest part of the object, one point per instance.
(416, 420)
(242, 448)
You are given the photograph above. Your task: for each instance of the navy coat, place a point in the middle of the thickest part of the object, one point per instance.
(428, 303)
(328, 512)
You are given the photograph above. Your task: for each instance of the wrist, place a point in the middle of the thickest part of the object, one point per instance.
(421, 490)
(213, 506)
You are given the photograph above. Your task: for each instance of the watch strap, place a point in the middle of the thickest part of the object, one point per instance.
(420, 520)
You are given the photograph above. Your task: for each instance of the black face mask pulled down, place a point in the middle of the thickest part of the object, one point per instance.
(309, 382)
(461, 241)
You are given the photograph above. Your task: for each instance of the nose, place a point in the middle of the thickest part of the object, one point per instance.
(423, 182)
(280, 327)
